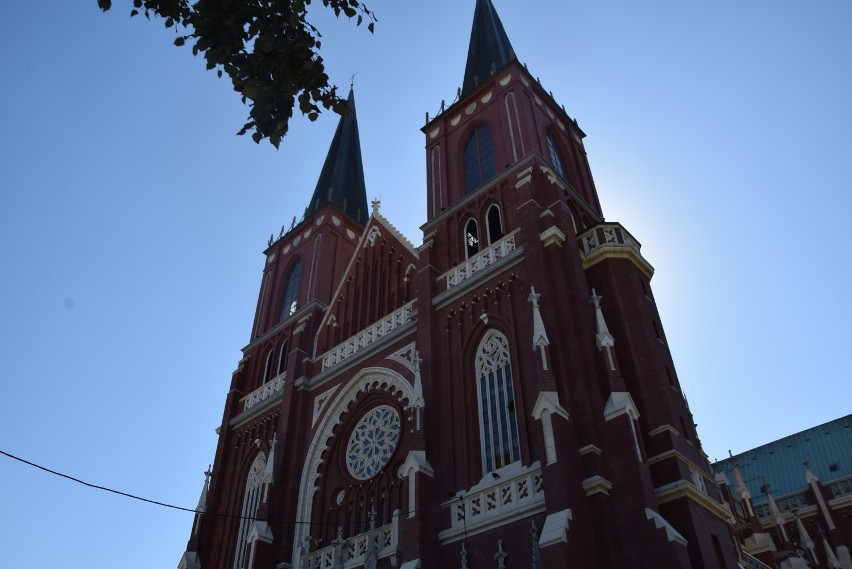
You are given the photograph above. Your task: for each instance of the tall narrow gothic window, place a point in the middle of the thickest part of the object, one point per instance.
(282, 359)
(498, 423)
(471, 239)
(251, 500)
(555, 156)
(495, 227)
(268, 366)
(478, 158)
(291, 294)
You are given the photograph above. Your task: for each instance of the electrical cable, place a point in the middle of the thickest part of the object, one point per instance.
(155, 502)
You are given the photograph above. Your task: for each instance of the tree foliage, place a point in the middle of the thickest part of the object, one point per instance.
(268, 49)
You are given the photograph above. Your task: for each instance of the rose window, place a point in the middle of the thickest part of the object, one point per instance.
(372, 442)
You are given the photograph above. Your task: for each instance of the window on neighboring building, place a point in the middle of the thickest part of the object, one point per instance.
(498, 423)
(495, 227)
(471, 239)
(478, 158)
(555, 156)
(291, 294)
(251, 500)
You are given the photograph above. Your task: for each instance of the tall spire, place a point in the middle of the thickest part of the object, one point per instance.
(489, 49)
(342, 179)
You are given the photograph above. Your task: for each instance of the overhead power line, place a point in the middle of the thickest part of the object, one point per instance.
(155, 502)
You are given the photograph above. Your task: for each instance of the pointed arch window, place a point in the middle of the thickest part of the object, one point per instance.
(495, 226)
(251, 500)
(471, 239)
(555, 156)
(498, 423)
(478, 158)
(291, 293)
(282, 359)
(268, 366)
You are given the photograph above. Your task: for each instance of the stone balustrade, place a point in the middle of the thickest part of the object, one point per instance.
(368, 336)
(485, 259)
(514, 492)
(611, 235)
(353, 551)
(268, 390)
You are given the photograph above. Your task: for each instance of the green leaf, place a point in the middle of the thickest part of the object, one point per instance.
(137, 3)
(180, 41)
(134, 13)
(169, 22)
(104, 4)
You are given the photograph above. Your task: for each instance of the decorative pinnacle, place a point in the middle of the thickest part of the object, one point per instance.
(208, 473)
(377, 204)
(596, 299)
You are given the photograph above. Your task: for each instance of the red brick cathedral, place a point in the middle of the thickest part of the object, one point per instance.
(501, 395)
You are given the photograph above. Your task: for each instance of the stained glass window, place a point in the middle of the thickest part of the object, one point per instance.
(373, 442)
(498, 422)
(478, 158)
(251, 500)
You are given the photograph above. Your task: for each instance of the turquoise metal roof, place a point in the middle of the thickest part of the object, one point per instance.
(827, 447)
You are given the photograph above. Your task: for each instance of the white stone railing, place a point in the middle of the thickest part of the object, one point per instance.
(485, 259)
(503, 498)
(268, 390)
(753, 563)
(785, 503)
(369, 335)
(354, 550)
(840, 488)
(607, 235)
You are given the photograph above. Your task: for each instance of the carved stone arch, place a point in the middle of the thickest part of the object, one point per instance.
(367, 379)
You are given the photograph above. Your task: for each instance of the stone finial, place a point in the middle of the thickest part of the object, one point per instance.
(377, 205)
(501, 555)
(539, 333)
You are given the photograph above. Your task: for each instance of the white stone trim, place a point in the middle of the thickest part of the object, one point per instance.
(320, 402)
(555, 529)
(660, 522)
(590, 449)
(505, 495)
(597, 484)
(621, 403)
(189, 560)
(546, 405)
(549, 401)
(415, 462)
(364, 379)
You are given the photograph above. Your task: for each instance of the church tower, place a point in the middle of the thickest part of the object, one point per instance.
(501, 395)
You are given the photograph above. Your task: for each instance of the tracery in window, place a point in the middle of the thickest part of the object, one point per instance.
(495, 227)
(373, 442)
(555, 156)
(478, 158)
(471, 239)
(291, 293)
(251, 500)
(498, 424)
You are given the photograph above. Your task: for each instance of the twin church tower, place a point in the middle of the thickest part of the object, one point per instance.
(501, 395)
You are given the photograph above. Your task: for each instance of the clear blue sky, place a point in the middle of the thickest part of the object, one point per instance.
(133, 220)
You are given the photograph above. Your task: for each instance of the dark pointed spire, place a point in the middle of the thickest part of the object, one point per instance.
(342, 179)
(489, 49)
